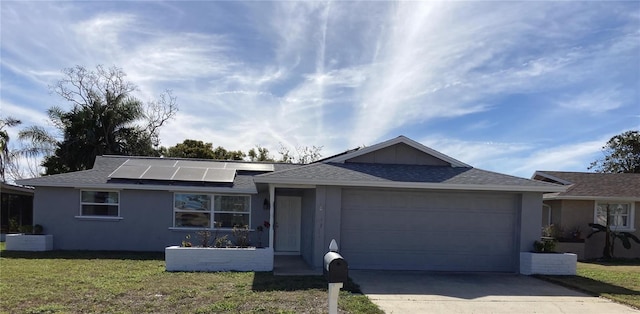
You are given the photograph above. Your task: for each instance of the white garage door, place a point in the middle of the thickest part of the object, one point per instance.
(450, 231)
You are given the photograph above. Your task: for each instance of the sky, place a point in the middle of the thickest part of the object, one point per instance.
(511, 87)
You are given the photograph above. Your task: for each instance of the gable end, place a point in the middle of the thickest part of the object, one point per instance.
(400, 154)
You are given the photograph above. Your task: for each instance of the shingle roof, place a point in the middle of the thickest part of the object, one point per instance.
(354, 173)
(586, 184)
(105, 165)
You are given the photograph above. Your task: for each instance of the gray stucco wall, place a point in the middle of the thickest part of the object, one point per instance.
(147, 218)
(327, 221)
(530, 214)
(308, 217)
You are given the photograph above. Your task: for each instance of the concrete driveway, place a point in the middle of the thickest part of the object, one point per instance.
(434, 292)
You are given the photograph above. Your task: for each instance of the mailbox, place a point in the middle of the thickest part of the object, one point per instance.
(335, 268)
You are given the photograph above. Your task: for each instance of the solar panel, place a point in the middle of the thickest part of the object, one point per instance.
(249, 166)
(159, 173)
(150, 162)
(189, 174)
(220, 175)
(128, 172)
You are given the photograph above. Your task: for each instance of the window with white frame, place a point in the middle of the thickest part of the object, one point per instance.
(209, 211)
(620, 215)
(99, 203)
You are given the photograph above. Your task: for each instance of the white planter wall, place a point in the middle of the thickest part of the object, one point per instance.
(29, 242)
(548, 263)
(218, 259)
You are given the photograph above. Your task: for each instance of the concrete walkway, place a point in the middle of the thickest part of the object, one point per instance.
(434, 292)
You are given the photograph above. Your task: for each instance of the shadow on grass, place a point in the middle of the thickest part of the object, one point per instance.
(589, 286)
(122, 255)
(266, 281)
(615, 262)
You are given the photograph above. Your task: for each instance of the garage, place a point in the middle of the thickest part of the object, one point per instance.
(429, 230)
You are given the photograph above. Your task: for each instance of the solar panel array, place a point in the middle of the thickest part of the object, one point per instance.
(184, 170)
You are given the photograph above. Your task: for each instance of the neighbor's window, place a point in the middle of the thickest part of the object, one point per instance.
(100, 203)
(621, 215)
(198, 210)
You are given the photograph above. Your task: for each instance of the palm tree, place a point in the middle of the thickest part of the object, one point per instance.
(5, 155)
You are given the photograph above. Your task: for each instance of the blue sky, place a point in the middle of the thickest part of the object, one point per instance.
(511, 87)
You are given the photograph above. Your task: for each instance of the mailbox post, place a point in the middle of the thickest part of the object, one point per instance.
(337, 273)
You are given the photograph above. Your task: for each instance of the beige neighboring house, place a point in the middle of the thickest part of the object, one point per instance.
(585, 202)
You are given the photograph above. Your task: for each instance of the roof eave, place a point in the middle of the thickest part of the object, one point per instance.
(151, 187)
(548, 176)
(413, 185)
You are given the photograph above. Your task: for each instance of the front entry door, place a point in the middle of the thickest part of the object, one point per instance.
(287, 232)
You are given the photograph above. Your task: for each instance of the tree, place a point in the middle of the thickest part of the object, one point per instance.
(199, 149)
(622, 154)
(259, 154)
(303, 154)
(104, 119)
(5, 154)
(190, 149)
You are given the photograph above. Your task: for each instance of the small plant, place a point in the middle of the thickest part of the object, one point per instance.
(553, 231)
(576, 233)
(205, 238)
(26, 229)
(14, 226)
(222, 241)
(242, 235)
(186, 242)
(38, 229)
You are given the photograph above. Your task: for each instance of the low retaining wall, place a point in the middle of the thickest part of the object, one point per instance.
(548, 263)
(29, 242)
(218, 259)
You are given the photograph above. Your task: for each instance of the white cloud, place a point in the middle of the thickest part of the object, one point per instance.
(596, 101)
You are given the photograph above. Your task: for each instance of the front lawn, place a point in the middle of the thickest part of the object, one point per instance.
(49, 282)
(616, 280)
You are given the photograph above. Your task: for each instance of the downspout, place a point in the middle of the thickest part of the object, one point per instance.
(272, 197)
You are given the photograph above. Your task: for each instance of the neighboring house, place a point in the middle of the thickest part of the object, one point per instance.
(585, 201)
(394, 205)
(16, 206)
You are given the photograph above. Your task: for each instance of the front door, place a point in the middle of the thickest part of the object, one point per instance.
(287, 216)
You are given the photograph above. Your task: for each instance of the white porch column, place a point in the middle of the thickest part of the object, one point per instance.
(272, 198)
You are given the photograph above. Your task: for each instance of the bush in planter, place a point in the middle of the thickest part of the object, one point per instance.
(547, 245)
(242, 236)
(38, 229)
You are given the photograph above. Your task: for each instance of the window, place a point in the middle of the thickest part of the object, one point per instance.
(99, 203)
(621, 215)
(198, 210)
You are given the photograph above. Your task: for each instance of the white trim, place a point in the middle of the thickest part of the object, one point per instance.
(400, 139)
(100, 218)
(211, 211)
(414, 185)
(99, 204)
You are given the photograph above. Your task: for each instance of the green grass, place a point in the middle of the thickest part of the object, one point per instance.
(52, 282)
(616, 280)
